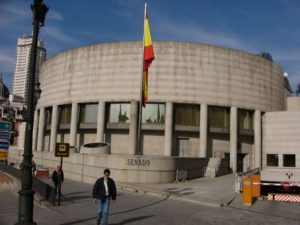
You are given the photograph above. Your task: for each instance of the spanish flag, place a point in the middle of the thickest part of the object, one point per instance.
(148, 57)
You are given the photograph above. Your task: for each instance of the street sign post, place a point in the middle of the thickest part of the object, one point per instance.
(5, 128)
(61, 150)
(4, 135)
(4, 125)
(4, 145)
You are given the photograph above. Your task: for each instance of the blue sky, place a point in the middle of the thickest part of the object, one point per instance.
(252, 26)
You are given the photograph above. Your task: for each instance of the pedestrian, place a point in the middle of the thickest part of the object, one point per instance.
(33, 168)
(22, 165)
(104, 190)
(58, 178)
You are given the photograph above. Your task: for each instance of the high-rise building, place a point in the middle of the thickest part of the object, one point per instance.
(21, 73)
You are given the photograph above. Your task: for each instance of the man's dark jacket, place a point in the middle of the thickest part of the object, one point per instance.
(99, 189)
(57, 177)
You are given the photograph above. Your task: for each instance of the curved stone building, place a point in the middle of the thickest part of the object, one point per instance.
(204, 102)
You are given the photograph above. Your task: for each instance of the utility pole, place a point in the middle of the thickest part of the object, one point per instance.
(25, 216)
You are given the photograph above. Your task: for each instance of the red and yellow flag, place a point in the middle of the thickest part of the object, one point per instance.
(148, 58)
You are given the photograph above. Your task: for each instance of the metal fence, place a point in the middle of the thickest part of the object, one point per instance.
(239, 178)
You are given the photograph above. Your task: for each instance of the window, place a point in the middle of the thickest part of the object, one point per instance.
(119, 113)
(153, 113)
(272, 160)
(48, 115)
(88, 113)
(219, 117)
(245, 120)
(289, 160)
(188, 115)
(65, 114)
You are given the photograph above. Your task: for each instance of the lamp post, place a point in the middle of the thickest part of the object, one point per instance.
(25, 216)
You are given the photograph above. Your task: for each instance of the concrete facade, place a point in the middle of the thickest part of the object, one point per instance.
(200, 75)
(181, 72)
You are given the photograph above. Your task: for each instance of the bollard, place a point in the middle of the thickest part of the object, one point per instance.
(256, 186)
(247, 191)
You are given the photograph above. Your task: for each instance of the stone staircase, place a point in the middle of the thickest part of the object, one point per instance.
(212, 167)
(217, 167)
(8, 183)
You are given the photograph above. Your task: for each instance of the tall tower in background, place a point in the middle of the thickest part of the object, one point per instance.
(21, 73)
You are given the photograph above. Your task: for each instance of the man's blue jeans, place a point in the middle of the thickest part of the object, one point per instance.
(102, 210)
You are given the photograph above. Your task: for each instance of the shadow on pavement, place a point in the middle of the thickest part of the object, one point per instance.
(181, 191)
(134, 219)
(121, 223)
(116, 213)
(130, 210)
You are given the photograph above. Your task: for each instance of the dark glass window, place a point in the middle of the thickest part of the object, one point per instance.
(88, 113)
(188, 115)
(272, 160)
(153, 113)
(65, 114)
(219, 117)
(289, 160)
(48, 115)
(119, 113)
(245, 120)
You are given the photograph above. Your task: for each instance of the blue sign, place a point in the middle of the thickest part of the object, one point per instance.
(5, 125)
(4, 135)
(4, 145)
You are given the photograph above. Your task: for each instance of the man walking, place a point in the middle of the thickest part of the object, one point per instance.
(104, 190)
(58, 178)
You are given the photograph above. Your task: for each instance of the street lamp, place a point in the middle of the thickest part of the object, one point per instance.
(25, 216)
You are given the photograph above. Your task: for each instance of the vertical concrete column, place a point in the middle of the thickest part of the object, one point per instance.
(168, 129)
(280, 160)
(203, 131)
(53, 133)
(35, 130)
(133, 128)
(40, 140)
(233, 138)
(100, 122)
(257, 138)
(73, 125)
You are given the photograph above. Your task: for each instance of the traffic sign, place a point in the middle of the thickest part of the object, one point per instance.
(4, 145)
(5, 135)
(4, 125)
(62, 150)
(3, 154)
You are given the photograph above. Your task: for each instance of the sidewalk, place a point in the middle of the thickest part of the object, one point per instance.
(77, 207)
(206, 191)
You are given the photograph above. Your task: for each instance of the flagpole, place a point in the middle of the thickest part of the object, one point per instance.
(139, 135)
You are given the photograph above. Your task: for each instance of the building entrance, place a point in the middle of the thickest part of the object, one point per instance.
(242, 162)
(183, 146)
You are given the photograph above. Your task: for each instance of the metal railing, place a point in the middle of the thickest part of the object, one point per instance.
(181, 176)
(239, 178)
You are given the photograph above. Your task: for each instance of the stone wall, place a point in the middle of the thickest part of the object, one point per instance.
(124, 168)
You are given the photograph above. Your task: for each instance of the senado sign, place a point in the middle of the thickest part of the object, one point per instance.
(138, 162)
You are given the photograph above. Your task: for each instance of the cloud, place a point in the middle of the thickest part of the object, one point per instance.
(6, 62)
(288, 56)
(54, 15)
(167, 29)
(13, 12)
(58, 34)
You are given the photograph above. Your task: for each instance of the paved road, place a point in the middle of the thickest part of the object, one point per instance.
(136, 209)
